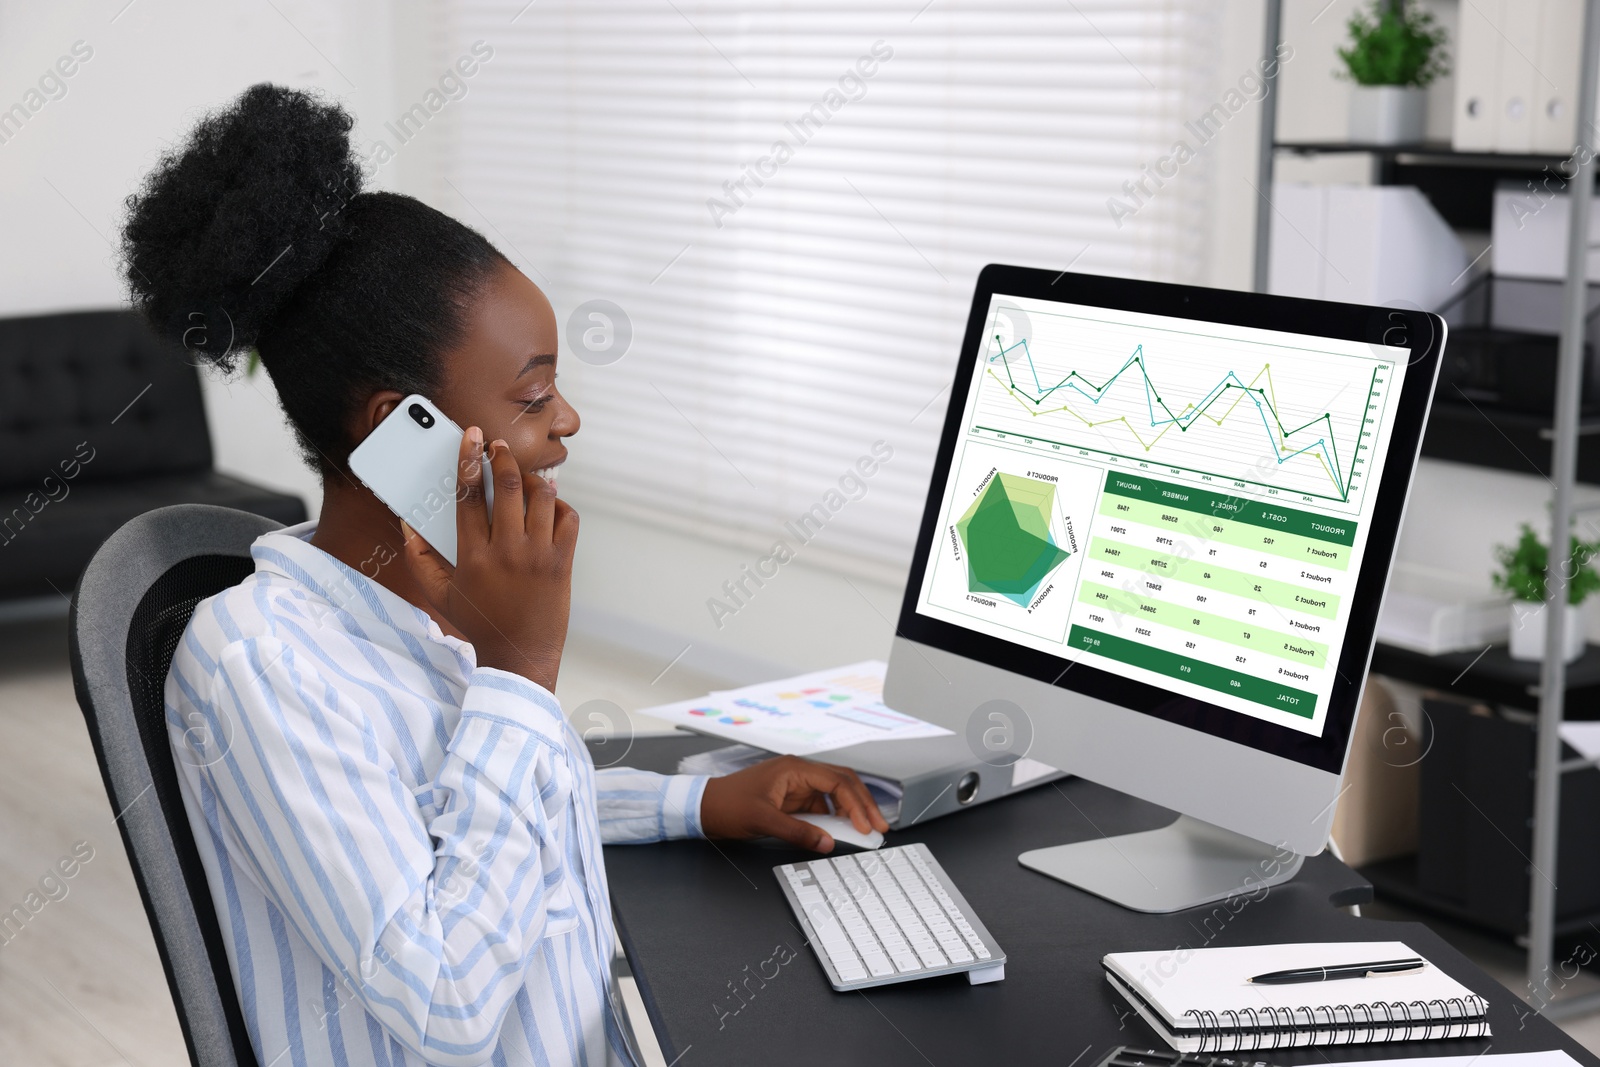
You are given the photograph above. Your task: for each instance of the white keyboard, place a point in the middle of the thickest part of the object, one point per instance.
(888, 916)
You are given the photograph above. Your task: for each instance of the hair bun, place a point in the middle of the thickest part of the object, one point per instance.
(228, 225)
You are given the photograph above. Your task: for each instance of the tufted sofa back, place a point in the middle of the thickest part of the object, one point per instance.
(96, 380)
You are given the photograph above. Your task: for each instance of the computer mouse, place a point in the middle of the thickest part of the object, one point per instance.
(841, 830)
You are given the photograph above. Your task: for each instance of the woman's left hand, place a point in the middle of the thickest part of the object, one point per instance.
(757, 802)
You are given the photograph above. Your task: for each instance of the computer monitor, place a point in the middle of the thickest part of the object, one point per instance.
(1159, 526)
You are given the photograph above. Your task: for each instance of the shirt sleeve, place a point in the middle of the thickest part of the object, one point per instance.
(431, 922)
(637, 807)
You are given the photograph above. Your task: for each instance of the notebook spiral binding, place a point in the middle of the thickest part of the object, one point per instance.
(1283, 1027)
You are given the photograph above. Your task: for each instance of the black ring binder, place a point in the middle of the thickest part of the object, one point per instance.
(1421, 1013)
(1269, 1027)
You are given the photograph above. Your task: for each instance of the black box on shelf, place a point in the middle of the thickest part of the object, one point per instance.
(1510, 370)
(1504, 344)
(1475, 839)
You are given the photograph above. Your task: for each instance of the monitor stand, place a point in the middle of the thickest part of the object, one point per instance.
(1180, 866)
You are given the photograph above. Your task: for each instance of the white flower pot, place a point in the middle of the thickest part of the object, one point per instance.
(1527, 631)
(1388, 114)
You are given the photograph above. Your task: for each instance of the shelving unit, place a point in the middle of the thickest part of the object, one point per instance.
(1496, 678)
(1422, 150)
(1459, 184)
(1559, 447)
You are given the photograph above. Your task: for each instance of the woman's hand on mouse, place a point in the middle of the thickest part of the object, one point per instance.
(759, 801)
(510, 591)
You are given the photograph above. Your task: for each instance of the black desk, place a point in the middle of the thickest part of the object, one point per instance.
(692, 915)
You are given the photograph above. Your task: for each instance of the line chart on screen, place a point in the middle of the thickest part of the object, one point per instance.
(1259, 416)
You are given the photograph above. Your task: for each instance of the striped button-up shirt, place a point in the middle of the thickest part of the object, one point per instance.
(403, 847)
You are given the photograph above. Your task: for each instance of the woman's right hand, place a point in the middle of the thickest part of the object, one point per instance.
(510, 591)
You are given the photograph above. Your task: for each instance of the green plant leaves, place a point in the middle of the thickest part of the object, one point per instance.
(1523, 567)
(1395, 46)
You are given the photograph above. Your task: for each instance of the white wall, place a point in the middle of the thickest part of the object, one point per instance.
(158, 65)
(646, 589)
(154, 68)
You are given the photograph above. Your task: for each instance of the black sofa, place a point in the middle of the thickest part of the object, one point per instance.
(99, 421)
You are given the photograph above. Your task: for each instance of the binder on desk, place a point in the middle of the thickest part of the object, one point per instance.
(913, 779)
(938, 775)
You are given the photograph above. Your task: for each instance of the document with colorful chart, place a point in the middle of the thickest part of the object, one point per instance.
(803, 715)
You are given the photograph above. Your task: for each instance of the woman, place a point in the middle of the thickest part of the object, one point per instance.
(400, 830)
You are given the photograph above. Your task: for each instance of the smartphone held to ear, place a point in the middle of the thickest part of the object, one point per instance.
(411, 463)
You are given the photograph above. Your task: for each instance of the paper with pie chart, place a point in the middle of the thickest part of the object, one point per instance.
(1011, 546)
(803, 715)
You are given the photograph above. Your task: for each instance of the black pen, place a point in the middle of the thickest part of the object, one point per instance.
(1346, 970)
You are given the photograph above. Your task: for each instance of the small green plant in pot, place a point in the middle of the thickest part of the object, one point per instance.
(1522, 574)
(1395, 53)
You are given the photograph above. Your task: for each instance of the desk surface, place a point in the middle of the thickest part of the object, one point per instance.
(693, 915)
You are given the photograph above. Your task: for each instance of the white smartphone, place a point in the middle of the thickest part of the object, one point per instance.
(410, 463)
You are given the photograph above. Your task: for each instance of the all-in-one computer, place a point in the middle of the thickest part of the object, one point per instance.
(1160, 523)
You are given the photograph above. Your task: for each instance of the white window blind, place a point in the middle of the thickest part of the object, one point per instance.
(793, 241)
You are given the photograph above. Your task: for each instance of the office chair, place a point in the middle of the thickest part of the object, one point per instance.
(129, 611)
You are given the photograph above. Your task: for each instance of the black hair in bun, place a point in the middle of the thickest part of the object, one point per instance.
(226, 229)
(254, 234)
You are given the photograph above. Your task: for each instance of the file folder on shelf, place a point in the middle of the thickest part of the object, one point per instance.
(1516, 70)
(1477, 69)
(1555, 124)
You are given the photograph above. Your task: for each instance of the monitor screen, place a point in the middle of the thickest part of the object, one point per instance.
(1175, 502)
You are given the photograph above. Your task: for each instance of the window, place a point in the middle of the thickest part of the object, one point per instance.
(789, 203)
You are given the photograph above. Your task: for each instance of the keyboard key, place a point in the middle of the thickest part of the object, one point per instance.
(834, 940)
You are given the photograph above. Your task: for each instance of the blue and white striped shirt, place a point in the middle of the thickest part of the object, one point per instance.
(403, 847)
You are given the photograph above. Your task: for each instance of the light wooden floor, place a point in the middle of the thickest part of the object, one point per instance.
(81, 984)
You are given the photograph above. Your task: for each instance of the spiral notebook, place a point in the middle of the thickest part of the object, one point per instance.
(1200, 1000)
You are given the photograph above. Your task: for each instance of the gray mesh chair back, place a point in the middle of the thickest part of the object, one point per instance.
(129, 611)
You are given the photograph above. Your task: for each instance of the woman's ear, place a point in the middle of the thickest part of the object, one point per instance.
(375, 410)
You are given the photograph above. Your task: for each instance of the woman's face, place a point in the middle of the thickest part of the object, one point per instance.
(501, 376)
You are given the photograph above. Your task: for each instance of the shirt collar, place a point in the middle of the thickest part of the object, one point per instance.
(289, 552)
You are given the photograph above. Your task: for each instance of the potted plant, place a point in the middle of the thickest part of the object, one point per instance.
(1395, 52)
(1522, 575)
